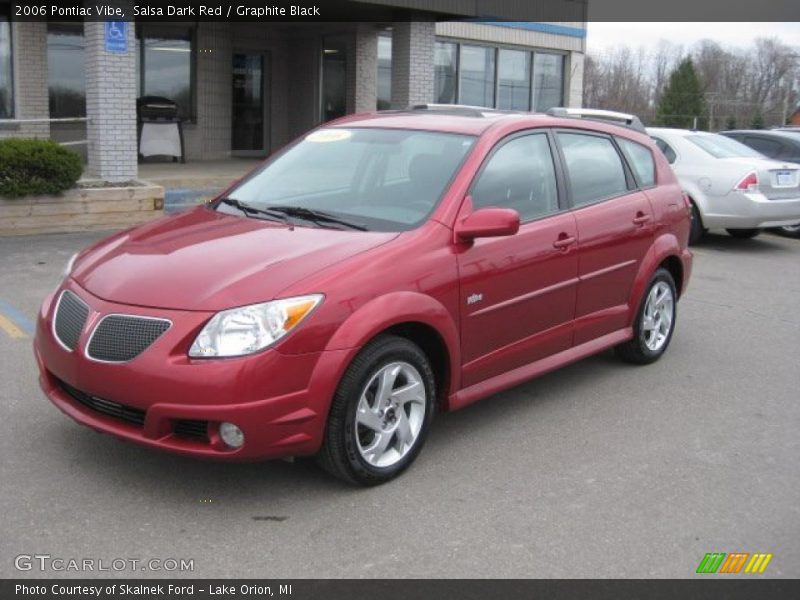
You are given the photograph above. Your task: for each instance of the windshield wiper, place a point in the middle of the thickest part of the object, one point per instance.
(253, 211)
(316, 216)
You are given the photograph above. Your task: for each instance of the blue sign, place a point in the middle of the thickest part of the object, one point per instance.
(117, 36)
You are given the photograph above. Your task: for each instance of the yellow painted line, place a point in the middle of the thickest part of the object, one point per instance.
(11, 329)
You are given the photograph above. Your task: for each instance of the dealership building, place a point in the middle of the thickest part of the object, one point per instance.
(244, 88)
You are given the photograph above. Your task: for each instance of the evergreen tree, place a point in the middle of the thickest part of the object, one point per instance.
(682, 99)
(730, 123)
(758, 121)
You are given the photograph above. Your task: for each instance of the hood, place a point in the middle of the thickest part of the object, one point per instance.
(204, 260)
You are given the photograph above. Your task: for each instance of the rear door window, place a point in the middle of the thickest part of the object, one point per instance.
(594, 167)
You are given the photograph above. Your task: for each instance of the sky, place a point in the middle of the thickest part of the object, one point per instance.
(604, 36)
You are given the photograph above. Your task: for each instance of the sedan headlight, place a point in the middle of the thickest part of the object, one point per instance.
(248, 329)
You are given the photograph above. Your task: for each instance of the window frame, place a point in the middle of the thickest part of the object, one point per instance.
(5, 10)
(561, 197)
(630, 182)
(139, 35)
(496, 47)
(630, 161)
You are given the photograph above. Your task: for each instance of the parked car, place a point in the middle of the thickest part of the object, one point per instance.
(780, 144)
(380, 268)
(730, 185)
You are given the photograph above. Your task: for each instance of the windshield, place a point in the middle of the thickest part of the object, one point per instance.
(720, 146)
(374, 179)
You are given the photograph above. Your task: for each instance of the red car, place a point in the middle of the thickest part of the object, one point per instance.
(379, 269)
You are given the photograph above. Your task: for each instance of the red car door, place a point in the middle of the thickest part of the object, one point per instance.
(615, 231)
(518, 292)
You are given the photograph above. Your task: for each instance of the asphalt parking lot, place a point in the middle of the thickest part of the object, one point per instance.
(598, 470)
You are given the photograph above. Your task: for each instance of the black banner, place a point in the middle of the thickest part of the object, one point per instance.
(311, 11)
(733, 588)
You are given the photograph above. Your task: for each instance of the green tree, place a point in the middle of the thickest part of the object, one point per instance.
(758, 121)
(682, 99)
(730, 123)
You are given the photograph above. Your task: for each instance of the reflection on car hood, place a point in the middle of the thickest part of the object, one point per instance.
(204, 260)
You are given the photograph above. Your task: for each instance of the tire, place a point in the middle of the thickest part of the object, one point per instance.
(697, 231)
(744, 234)
(648, 345)
(788, 230)
(368, 442)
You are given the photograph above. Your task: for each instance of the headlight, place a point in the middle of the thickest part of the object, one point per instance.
(248, 329)
(68, 268)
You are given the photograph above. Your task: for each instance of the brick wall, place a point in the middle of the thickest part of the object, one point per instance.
(30, 80)
(412, 63)
(362, 69)
(110, 106)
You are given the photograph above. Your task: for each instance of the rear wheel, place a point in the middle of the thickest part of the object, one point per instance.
(655, 322)
(380, 414)
(789, 230)
(744, 233)
(697, 231)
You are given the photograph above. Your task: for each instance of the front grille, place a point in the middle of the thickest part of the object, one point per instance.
(191, 429)
(106, 407)
(120, 338)
(71, 315)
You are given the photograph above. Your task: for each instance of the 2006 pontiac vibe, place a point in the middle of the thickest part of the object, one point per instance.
(381, 268)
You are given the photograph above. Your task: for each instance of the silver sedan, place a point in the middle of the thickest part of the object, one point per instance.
(731, 186)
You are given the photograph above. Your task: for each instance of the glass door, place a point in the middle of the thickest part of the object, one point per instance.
(249, 124)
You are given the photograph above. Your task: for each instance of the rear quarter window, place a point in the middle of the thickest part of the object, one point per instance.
(641, 161)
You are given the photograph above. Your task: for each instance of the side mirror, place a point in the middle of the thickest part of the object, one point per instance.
(488, 222)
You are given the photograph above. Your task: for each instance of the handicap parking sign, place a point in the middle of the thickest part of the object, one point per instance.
(117, 36)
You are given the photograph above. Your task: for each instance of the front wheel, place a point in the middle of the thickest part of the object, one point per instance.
(744, 234)
(380, 413)
(655, 322)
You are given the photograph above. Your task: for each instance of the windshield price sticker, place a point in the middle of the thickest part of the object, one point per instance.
(329, 135)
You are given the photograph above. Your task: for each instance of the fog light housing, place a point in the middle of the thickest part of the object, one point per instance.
(231, 435)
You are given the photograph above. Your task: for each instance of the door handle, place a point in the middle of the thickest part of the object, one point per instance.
(641, 218)
(563, 241)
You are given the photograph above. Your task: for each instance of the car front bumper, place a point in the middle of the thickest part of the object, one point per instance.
(163, 399)
(738, 210)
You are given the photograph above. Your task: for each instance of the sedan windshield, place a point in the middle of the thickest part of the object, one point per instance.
(720, 146)
(359, 178)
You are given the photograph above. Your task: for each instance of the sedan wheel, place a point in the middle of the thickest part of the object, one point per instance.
(744, 233)
(380, 414)
(790, 230)
(654, 323)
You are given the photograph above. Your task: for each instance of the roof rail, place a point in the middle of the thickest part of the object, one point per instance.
(596, 114)
(454, 109)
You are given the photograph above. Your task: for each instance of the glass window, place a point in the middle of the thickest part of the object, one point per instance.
(66, 75)
(548, 81)
(383, 179)
(514, 79)
(476, 72)
(6, 83)
(519, 175)
(444, 68)
(771, 148)
(384, 72)
(334, 78)
(641, 161)
(594, 167)
(164, 60)
(669, 153)
(719, 146)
